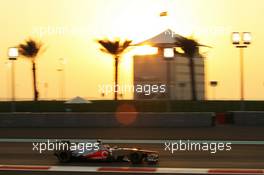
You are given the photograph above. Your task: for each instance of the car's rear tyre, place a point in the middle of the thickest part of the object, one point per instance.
(153, 162)
(120, 158)
(64, 156)
(136, 158)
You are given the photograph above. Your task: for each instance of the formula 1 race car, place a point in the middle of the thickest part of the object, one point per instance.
(102, 152)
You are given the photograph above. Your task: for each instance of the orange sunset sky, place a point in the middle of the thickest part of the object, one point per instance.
(69, 28)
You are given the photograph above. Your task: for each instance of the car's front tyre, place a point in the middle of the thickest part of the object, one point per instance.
(64, 156)
(136, 158)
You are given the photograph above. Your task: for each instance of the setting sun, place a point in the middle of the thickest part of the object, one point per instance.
(131, 87)
(145, 50)
(69, 29)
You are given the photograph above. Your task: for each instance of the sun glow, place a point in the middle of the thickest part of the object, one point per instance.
(70, 28)
(145, 50)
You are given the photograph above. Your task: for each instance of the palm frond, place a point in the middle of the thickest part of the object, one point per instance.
(189, 46)
(124, 46)
(115, 47)
(30, 49)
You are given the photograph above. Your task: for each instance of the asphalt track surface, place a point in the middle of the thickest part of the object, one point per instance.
(241, 156)
(210, 133)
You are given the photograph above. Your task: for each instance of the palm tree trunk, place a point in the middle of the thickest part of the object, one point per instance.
(36, 94)
(116, 77)
(193, 83)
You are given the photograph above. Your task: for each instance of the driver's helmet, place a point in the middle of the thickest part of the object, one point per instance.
(99, 141)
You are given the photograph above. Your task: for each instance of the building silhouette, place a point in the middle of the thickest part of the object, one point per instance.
(168, 67)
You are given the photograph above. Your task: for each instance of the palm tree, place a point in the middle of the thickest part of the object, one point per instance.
(115, 48)
(191, 49)
(31, 49)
